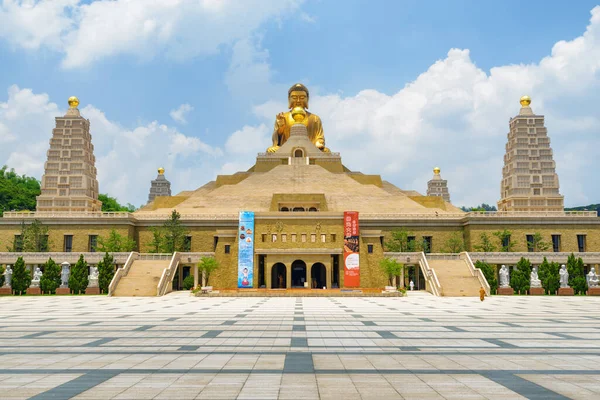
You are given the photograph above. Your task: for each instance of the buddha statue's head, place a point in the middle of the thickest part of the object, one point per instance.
(298, 114)
(298, 96)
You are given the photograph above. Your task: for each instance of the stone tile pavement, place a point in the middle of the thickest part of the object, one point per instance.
(182, 347)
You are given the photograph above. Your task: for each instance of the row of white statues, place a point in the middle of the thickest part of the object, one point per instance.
(534, 281)
(64, 276)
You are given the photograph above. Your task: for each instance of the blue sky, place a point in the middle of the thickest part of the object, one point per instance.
(232, 61)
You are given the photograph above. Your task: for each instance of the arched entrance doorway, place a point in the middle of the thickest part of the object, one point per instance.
(298, 273)
(278, 274)
(318, 275)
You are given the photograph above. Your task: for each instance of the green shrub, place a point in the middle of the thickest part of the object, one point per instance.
(576, 274)
(21, 278)
(548, 274)
(520, 277)
(78, 280)
(188, 282)
(51, 278)
(489, 273)
(106, 271)
(2, 275)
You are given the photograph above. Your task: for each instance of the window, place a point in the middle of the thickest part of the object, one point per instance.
(274, 237)
(529, 243)
(370, 248)
(283, 237)
(264, 237)
(410, 241)
(298, 153)
(304, 238)
(427, 244)
(313, 237)
(68, 243)
(323, 238)
(187, 243)
(18, 243)
(227, 248)
(333, 237)
(556, 243)
(505, 242)
(93, 243)
(298, 209)
(581, 243)
(294, 237)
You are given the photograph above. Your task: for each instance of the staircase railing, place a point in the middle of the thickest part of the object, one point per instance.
(166, 278)
(476, 272)
(430, 276)
(121, 272)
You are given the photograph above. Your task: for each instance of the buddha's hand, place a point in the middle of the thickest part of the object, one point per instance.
(272, 149)
(280, 122)
(320, 144)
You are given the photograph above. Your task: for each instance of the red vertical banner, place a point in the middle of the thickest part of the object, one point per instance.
(351, 248)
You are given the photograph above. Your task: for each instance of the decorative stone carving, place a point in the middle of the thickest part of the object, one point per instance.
(8, 277)
(592, 278)
(564, 277)
(534, 281)
(64, 275)
(504, 274)
(37, 275)
(93, 277)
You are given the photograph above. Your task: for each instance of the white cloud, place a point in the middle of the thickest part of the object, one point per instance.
(126, 159)
(455, 115)
(179, 114)
(178, 29)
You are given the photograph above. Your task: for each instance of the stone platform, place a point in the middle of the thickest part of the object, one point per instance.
(300, 292)
(566, 291)
(536, 291)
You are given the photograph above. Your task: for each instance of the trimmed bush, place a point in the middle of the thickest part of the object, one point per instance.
(78, 280)
(548, 274)
(519, 280)
(106, 271)
(21, 278)
(51, 278)
(489, 273)
(2, 275)
(188, 282)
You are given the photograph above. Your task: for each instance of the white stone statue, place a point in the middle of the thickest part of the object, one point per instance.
(64, 274)
(504, 274)
(8, 276)
(93, 277)
(37, 275)
(592, 278)
(564, 276)
(534, 281)
(412, 285)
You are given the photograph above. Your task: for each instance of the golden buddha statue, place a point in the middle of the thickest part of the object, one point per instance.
(297, 97)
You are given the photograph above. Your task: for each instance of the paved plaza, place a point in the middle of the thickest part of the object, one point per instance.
(182, 347)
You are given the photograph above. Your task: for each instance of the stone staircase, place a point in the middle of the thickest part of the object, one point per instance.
(142, 278)
(455, 278)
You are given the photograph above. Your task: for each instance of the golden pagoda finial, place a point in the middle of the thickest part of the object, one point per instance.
(525, 101)
(437, 170)
(161, 171)
(73, 102)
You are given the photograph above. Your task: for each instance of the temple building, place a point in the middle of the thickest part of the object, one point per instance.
(437, 186)
(529, 179)
(159, 186)
(301, 218)
(69, 182)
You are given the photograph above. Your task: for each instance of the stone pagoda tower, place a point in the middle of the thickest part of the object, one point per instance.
(529, 179)
(160, 186)
(69, 182)
(438, 186)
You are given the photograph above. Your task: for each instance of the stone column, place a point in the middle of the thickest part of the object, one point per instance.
(268, 272)
(328, 273)
(288, 278)
(196, 275)
(402, 277)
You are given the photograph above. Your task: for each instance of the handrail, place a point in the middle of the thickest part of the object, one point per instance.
(476, 272)
(121, 272)
(155, 256)
(443, 256)
(431, 276)
(70, 257)
(163, 284)
(534, 257)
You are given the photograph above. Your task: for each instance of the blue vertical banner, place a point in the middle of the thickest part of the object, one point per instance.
(245, 239)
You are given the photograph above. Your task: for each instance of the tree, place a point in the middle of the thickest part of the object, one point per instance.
(110, 204)
(115, 243)
(106, 271)
(549, 276)
(485, 243)
(392, 268)
(538, 243)
(489, 273)
(17, 193)
(454, 244)
(2, 269)
(401, 241)
(34, 237)
(576, 274)
(520, 277)
(51, 278)
(506, 244)
(21, 278)
(174, 234)
(207, 266)
(482, 207)
(78, 279)
(157, 240)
